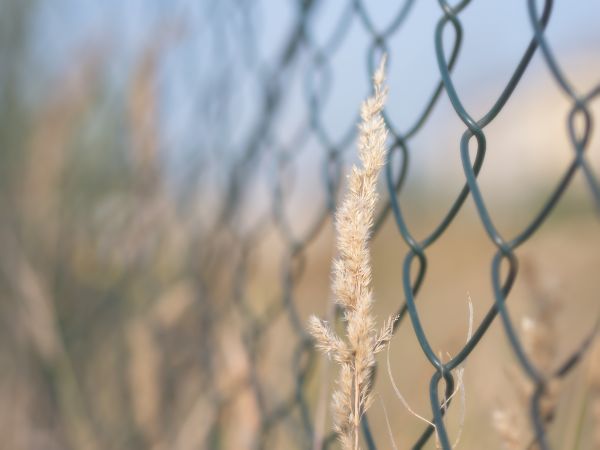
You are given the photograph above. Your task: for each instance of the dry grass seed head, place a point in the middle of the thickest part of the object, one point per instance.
(352, 276)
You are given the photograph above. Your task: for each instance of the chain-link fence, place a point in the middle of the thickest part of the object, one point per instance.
(161, 294)
(301, 53)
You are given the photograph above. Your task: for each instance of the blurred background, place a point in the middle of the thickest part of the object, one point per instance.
(168, 175)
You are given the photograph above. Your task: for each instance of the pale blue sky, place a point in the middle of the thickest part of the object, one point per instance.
(217, 39)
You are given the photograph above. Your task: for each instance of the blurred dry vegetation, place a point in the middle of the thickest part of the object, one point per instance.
(107, 334)
(132, 312)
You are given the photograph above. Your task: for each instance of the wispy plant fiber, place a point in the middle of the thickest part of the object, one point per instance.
(352, 277)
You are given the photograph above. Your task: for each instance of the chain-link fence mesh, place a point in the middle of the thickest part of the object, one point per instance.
(161, 296)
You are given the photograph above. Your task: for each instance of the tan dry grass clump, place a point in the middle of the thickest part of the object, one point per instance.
(594, 386)
(352, 277)
(540, 340)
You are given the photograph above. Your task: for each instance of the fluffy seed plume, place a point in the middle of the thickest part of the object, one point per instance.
(352, 277)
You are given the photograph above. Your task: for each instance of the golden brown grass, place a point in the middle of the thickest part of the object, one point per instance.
(352, 277)
(594, 385)
(540, 339)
